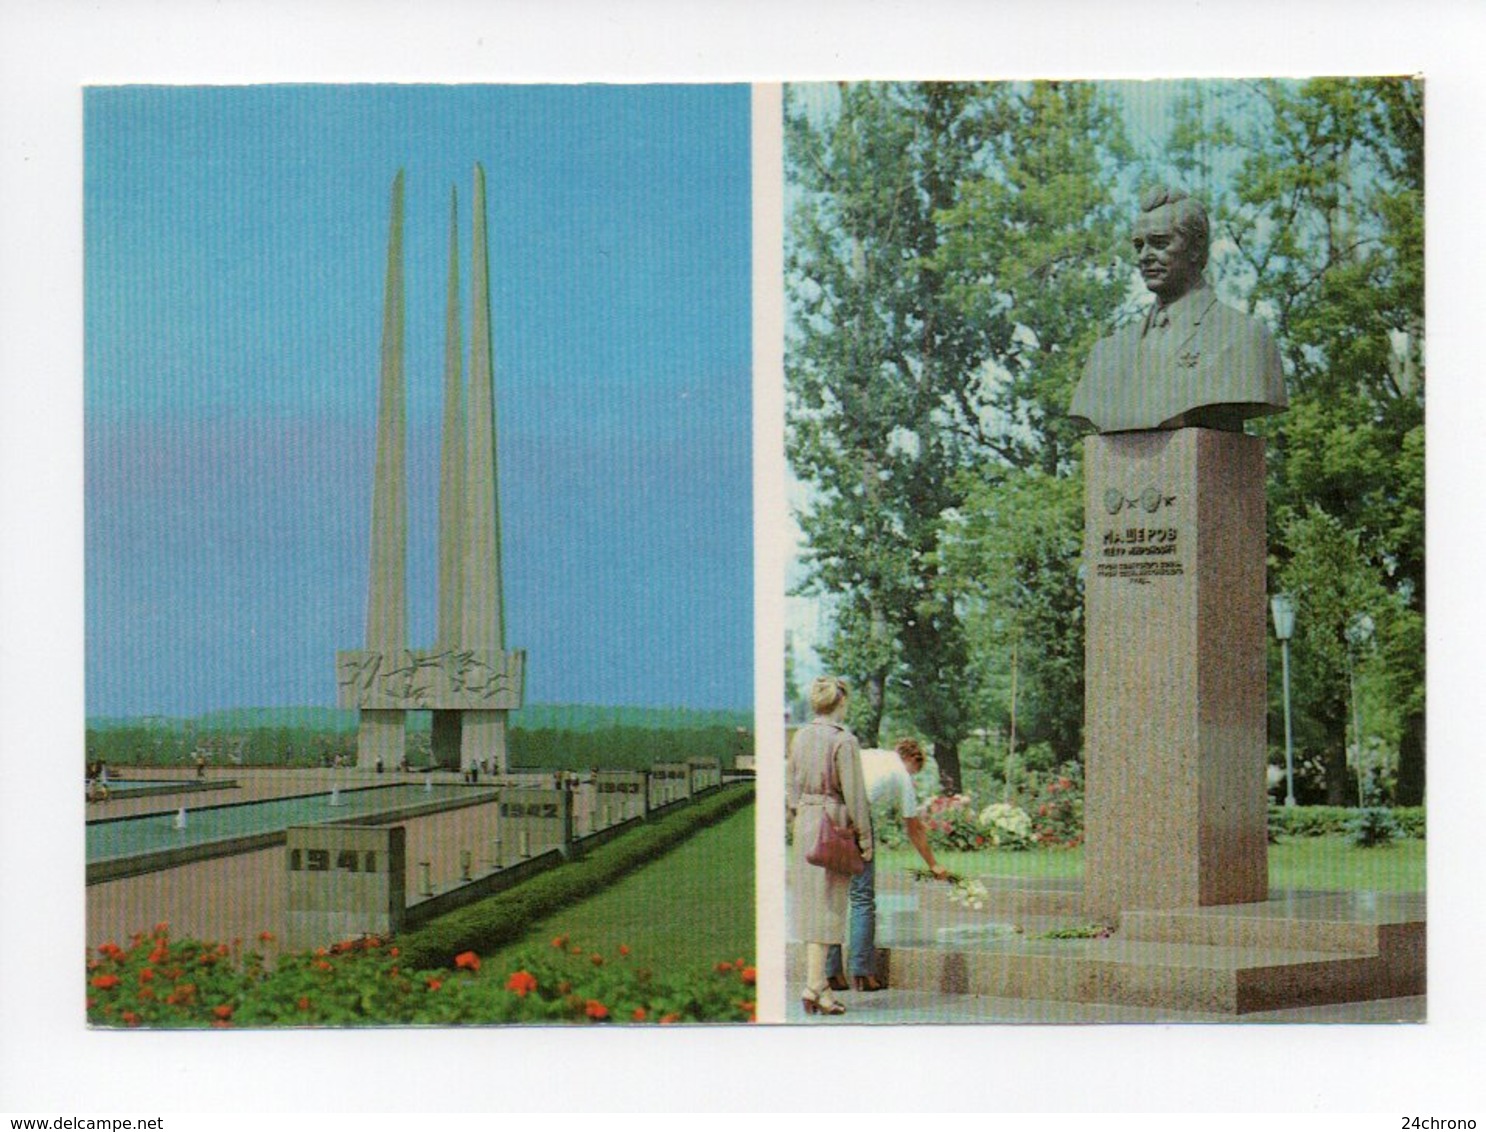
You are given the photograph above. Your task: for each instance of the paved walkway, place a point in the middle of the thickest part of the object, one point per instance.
(900, 1007)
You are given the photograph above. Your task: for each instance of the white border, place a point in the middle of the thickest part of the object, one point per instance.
(50, 1065)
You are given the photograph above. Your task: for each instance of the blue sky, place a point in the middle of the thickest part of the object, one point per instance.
(235, 243)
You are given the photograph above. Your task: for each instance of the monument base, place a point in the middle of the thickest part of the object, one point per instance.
(1301, 949)
(381, 739)
(483, 736)
(1175, 806)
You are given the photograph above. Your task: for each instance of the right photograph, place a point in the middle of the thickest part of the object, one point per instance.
(1105, 631)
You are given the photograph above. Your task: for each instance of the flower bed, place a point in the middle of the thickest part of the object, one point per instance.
(158, 982)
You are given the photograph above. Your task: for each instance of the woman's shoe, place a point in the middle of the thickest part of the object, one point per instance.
(828, 1005)
(838, 982)
(820, 1004)
(866, 983)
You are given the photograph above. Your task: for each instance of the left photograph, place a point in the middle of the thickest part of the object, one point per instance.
(419, 662)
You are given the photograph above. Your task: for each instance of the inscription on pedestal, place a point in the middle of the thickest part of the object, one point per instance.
(1139, 540)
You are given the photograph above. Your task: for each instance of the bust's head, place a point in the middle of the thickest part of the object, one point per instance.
(1171, 241)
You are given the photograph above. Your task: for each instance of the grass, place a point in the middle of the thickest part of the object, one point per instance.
(1335, 863)
(1033, 864)
(1301, 862)
(687, 911)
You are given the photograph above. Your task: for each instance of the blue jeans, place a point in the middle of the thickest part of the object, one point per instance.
(862, 899)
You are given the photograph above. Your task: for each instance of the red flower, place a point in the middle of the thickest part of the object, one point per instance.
(623, 949)
(596, 1010)
(105, 982)
(560, 942)
(131, 1018)
(521, 983)
(162, 927)
(111, 950)
(638, 1015)
(750, 976)
(394, 952)
(596, 959)
(265, 937)
(223, 1011)
(303, 1003)
(467, 959)
(321, 965)
(146, 974)
(435, 984)
(724, 967)
(667, 1019)
(160, 954)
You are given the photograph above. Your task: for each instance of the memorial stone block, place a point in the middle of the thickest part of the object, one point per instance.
(531, 821)
(706, 773)
(621, 796)
(669, 782)
(344, 882)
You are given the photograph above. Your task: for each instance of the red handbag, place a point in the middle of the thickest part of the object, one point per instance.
(836, 849)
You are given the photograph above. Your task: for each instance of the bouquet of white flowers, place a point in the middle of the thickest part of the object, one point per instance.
(968, 894)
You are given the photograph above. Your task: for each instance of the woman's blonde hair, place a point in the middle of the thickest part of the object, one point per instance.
(825, 693)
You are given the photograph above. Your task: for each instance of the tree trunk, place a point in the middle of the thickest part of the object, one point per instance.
(870, 723)
(1339, 791)
(947, 755)
(1410, 790)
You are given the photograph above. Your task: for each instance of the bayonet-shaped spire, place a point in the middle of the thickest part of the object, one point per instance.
(452, 465)
(484, 605)
(386, 614)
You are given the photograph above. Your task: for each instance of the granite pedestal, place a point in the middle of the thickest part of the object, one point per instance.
(1175, 803)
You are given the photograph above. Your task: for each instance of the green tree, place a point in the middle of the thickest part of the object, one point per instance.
(938, 247)
(1320, 224)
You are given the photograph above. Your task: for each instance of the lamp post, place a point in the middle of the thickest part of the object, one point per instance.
(1283, 608)
(1359, 632)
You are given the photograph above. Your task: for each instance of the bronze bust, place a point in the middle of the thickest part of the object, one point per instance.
(1192, 361)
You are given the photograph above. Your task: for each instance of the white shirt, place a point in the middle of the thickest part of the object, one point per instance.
(888, 783)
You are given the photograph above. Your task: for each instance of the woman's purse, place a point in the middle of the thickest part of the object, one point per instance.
(836, 849)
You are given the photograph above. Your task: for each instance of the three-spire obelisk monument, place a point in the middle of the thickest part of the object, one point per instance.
(468, 680)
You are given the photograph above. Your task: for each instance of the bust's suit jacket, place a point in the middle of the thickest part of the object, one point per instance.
(1193, 362)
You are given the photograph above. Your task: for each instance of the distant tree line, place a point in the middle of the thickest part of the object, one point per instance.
(592, 738)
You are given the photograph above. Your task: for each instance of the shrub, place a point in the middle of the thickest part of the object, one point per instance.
(952, 824)
(1323, 821)
(502, 918)
(1058, 813)
(1009, 826)
(1373, 827)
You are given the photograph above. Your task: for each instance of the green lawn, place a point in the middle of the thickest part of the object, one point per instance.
(687, 911)
(1301, 862)
(1333, 862)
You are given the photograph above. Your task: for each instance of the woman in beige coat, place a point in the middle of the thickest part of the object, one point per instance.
(825, 777)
